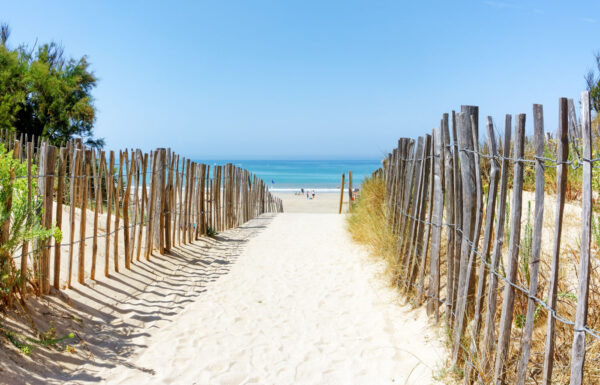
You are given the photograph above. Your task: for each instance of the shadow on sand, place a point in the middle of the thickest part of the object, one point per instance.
(111, 317)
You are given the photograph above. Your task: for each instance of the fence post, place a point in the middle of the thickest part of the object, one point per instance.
(428, 223)
(561, 187)
(109, 204)
(416, 240)
(342, 193)
(534, 263)
(490, 315)
(84, 190)
(449, 202)
(62, 169)
(437, 214)
(456, 178)
(117, 196)
(129, 170)
(75, 165)
(414, 186)
(487, 236)
(349, 190)
(25, 246)
(144, 198)
(97, 205)
(506, 317)
(578, 355)
(467, 167)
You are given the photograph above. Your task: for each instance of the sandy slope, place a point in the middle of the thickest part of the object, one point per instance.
(302, 304)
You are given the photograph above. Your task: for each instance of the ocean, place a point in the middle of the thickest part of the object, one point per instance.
(318, 175)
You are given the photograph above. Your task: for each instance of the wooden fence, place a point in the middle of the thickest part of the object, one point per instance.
(155, 201)
(438, 207)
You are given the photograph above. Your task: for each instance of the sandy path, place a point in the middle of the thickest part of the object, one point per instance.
(301, 305)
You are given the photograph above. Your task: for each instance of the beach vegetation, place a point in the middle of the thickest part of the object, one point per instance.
(592, 79)
(20, 221)
(211, 232)
(26, 344)
(368, 223)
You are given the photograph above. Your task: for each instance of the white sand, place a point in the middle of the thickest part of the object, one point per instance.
(328, 202)
(302, 304)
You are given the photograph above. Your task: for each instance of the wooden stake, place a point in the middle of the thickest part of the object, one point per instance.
(488, 334)
(109, 204)
(129, 171)
(342, 193)
(506, 317)
(144, 198)
(75, 165)
(84, 190)
(25, 246)
(578, 355)
(561, 187)
(118, 209)
(62, 169)
(534, 263)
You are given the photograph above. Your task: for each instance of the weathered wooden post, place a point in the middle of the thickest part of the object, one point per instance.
(561, 187)
(342, 193)
(62, 169)
(438, 211)
(506, 317)
(578, 355)
(490, 315)
(534, 263)
(349, 190)
(469, 190)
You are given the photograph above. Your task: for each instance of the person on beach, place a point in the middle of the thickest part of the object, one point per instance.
(313, 194)
(307, 195)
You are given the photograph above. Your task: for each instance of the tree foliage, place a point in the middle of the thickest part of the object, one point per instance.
(43, 93)
(593, 83)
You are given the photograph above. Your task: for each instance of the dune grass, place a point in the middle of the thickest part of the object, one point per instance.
(368, 224)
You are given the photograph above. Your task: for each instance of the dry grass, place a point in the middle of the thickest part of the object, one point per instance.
(368, 222)
(369, 225)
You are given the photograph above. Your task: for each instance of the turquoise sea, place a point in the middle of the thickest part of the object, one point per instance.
(292, 175)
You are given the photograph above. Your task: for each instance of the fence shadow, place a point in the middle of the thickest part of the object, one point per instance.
(112, 317)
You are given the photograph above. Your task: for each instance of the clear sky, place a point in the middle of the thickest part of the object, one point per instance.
(311, 79)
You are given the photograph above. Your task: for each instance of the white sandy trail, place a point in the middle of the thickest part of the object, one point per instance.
(302, 304)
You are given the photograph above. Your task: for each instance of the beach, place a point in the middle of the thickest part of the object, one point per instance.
(323, 203)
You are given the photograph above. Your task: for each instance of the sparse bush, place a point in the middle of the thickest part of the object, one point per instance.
(20, 219)
(211, 232)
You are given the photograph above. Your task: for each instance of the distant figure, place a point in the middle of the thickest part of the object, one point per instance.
(302, 190)
(313, 194)
(307, 197)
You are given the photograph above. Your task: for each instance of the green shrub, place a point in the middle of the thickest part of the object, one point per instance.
(20, 219)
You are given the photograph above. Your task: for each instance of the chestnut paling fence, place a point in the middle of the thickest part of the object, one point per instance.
(451, 227)
(154, 201)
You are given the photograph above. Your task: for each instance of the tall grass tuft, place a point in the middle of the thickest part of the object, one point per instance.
(368, 223)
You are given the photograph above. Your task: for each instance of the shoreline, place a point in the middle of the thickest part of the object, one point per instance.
(323, 203)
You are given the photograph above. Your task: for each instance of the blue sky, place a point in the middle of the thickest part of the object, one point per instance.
(311, 79)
